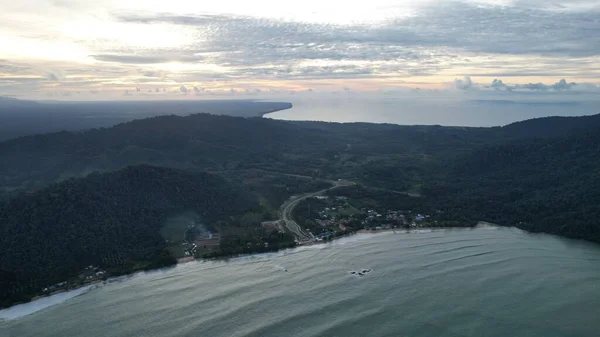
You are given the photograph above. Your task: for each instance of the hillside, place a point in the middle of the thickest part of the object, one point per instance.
(541, 175)
(370, 152)
(543, 185)
(110, 220)
(208, 142)
(550, 127)
(21, 118)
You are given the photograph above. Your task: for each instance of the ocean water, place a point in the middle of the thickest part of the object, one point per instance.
(447, 111)
(466, 282)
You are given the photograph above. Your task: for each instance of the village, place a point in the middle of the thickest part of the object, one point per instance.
(330, 216)
(90, 274)
(198, 240)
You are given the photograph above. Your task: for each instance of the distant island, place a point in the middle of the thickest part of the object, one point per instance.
(79, 207)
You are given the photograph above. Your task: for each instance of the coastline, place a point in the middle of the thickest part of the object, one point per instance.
(480, 224)
(264, 114)
(71, 293)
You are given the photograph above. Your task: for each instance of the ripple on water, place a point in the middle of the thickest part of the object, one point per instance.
(473, 282)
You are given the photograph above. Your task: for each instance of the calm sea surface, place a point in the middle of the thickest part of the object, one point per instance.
(475, 282)
(432, 111)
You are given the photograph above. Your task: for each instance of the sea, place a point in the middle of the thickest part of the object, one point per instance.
(432, 110)
(486, 281)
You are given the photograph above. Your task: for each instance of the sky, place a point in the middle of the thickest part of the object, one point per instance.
(134, 49)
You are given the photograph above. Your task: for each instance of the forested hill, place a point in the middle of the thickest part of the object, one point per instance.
(110, 220)
(550, 127)
(205, 141)
(209, 142)
(20, 118)
(543, 185)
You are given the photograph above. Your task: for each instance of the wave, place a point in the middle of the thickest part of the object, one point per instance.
(319, 246)
(25, 309)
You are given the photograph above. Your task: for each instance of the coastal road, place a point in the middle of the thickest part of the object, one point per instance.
(288, 207)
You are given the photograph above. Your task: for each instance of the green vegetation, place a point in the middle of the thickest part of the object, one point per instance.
(274, 188)
(250, 238)
(550, 185)
(221, 143)
(540, 175)
(358, 207)
(111, 220)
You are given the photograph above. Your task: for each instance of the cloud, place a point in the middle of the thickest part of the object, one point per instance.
(146, 59)
(464, 83)
(53, 77)
(153, 73)
(436, 38)
(183, 89)
(499, 85)
(561, 86)
(444, 27)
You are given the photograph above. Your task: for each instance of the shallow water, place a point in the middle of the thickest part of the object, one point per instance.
(465, 282)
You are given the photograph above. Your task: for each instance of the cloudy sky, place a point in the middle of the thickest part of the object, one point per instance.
(136, 49)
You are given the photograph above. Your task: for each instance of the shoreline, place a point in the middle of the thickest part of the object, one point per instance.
(480, 224)
(264, 114)
(99, 283)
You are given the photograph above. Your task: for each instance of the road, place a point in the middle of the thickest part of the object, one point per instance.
(414, 195)
(288, 207)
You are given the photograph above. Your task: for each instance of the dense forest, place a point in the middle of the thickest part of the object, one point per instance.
(388, 155)
(21, 117)
(110, 220)
(541, 185)
(542, 175)
(208, 142)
